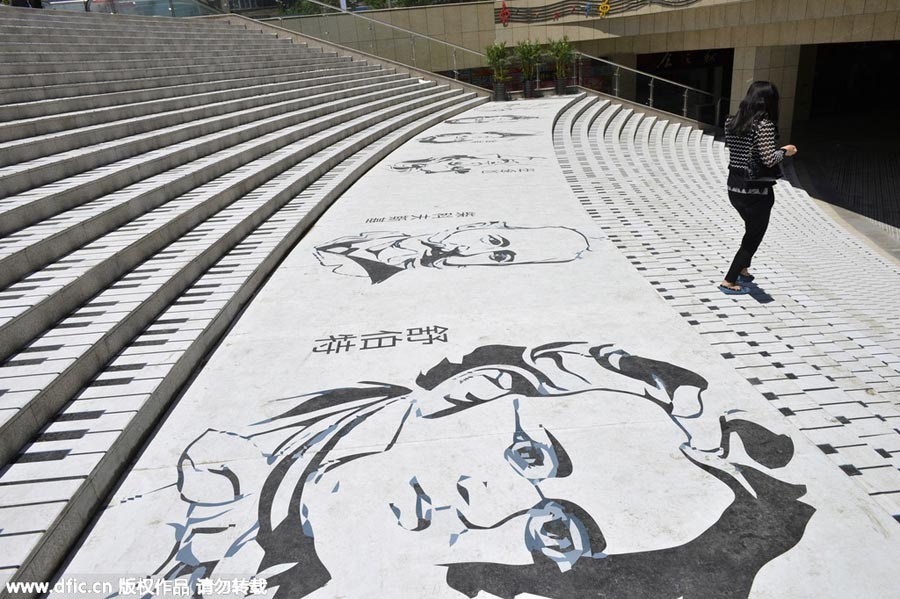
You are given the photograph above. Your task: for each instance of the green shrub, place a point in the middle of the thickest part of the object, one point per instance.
(563, 54)
(529, 55)
(498, 59)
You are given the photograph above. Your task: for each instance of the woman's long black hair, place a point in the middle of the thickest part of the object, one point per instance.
(761, 100)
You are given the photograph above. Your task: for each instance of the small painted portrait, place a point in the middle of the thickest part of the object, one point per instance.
(565, 470)
(458, 163)
(380, 255)
(477, 137)
(494, 118)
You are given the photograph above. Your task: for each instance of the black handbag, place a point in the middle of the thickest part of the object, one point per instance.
(765, 174)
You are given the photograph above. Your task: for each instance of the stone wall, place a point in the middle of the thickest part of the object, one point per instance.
(767, 35)
(719, 24)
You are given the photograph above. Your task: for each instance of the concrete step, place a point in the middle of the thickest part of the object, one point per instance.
(102, 47)
(860, 321)
(24, 117)
(796, 354)
(137, 32)
(189, 334)
(42, 35)
(36, 204)
(72, 19)
(146, 193)
(38, 245)
(49, 168)
(97, 59)
(125, 61)
(23, 88)
(95, 267)
(87, 111)
(61, 290)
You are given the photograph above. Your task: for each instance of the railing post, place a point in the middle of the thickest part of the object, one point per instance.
(684, 105)
(574, 70)
(616, 83)
(412, 43)
(455, 67)
(652, 79)
(578, 70)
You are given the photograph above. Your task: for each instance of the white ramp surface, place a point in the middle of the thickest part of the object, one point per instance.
(456, 385)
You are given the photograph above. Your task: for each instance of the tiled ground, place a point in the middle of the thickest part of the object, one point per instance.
(818, 337)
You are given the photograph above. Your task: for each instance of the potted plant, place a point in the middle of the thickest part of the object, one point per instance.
(498, 59)
(529, 55)
(563, 54)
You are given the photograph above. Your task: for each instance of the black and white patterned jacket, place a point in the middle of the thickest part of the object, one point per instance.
(747, 152)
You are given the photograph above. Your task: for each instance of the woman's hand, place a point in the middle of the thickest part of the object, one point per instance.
(789, 149)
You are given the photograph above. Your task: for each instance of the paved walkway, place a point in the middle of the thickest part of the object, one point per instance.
(817, 338)
(482, 374)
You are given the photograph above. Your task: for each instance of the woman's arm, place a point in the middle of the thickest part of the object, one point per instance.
(764, 141)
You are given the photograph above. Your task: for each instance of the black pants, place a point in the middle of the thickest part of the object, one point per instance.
(755, 210)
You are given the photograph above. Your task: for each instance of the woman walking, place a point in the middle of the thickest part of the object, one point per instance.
(750, 136)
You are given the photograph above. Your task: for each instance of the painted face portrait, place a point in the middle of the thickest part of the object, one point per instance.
(496, 118)
(470, 137)
(380, 255)
(458, 163)
(511, 471)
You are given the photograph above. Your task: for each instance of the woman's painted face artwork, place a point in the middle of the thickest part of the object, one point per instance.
(548, 470)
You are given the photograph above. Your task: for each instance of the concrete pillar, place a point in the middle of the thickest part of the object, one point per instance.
(778, 64)
(805, 76)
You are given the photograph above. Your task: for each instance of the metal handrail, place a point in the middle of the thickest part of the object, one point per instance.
(578, 54)
(114, 5)
(377, 22)
(715, 99)
(621, 66)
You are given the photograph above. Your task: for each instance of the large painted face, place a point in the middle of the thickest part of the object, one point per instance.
(492, 245)
(560, 476)
(554, 471)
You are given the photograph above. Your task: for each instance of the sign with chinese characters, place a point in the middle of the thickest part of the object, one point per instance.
(342, 342)
(411, 217)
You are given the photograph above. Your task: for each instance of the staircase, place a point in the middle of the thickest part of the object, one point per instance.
(153, 173)
(821, 347)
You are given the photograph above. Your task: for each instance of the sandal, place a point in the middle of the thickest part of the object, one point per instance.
(730, 291)
(745, 278)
